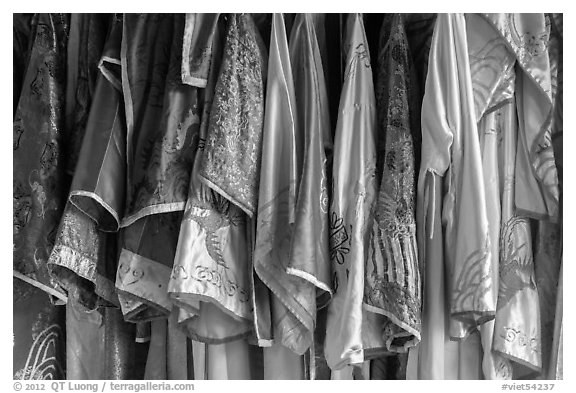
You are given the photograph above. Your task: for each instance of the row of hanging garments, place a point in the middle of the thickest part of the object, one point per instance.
(297, 196)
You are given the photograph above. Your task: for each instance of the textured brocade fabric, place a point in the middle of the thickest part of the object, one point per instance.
(162, 115)
(38, 163)
(83, 257)
(231, 159)
(277, 197)
(392, 286)
(353, 334)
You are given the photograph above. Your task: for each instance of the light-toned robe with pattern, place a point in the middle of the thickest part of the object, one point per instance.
(353, 334)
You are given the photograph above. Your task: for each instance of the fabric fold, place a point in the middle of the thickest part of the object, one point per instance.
(231, 161)
(353, 334)
(450, 148)
(210, 277)
(392, 283)
(39, 185)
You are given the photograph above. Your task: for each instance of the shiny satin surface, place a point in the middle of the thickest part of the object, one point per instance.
(231, 159)
(209, 281)
(81, 254)
(392, 282)
(81, 259)
(351, 330)
(197, 48)
(493, 83)
(82, 72)
(293, 213)
(162, 115)
(277, 191)
(38, 153)
(517, 330)
(99, 184)
(451, 149)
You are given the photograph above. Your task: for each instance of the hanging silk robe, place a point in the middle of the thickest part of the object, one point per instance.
(210, 277)
(38, 324)
(527, 35)
(450, 149)
(291, 254)
(517, 327)
(163, 119)
(231, 161)
(197, 48)
(392, 283)
(39, 188)
(84, 257)
(276, 213)
(84, 342)
(534, 176)
(353, 334)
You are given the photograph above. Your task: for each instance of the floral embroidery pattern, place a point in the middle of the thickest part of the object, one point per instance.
(340, 239)
(231, 162)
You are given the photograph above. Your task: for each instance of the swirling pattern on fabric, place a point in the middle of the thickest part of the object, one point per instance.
(392, 284)
(38, 164)
(517, 328)
(451, 149)
(83, 61)
(83, 258)
(162, 114)
(197, 48)
(528, 37)
(231, 160)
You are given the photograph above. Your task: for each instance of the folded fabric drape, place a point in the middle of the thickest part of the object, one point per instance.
(288, 196)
